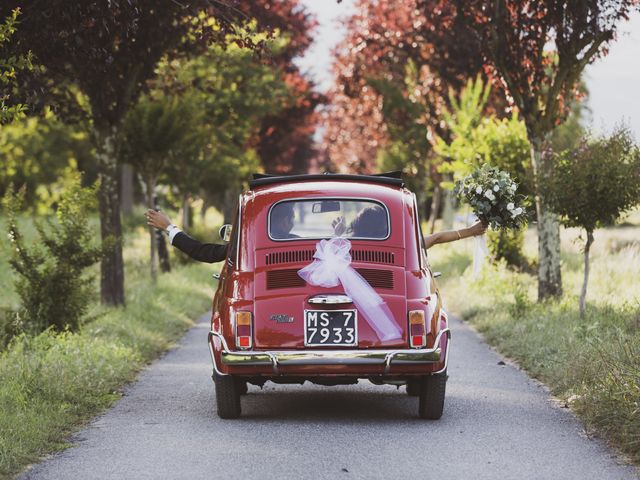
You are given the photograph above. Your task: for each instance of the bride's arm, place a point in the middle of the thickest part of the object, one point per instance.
(452, 235)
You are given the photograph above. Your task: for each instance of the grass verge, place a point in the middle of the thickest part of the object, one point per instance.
(592, 364)
(52, 383)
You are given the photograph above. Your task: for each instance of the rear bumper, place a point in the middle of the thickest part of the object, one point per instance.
(285, 358)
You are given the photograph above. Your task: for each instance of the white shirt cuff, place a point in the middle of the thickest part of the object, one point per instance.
(173, 231)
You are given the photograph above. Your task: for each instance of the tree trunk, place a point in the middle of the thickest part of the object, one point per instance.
(203, 210)
(549, 274)
(435, 208)
(150, 187)
(422, 180)
(186, 212)
(111, 266)
(229, 206)
(583, 292)
(163, 252)
(448, 209)
(126, 188)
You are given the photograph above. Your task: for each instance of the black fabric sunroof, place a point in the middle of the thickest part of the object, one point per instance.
(388, 178)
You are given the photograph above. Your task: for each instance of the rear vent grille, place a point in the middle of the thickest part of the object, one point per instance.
(372, 256)
(290, 256)
(284, 279)
(377, 278)
(293, 256)
(289, 278)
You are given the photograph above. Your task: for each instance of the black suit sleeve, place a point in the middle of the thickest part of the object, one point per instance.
(203, 252)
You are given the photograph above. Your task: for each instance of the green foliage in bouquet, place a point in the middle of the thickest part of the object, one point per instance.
(491, 193)
(51, 284)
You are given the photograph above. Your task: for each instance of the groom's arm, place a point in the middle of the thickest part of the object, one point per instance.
(203, 252)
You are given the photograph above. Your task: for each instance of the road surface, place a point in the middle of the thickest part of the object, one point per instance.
(498, 424)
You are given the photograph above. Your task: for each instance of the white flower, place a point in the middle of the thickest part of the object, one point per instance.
(510, 206)
(479, 189)
(496, 188)
(518, 211)
(488, 194)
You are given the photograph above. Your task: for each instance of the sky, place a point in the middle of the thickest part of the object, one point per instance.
(613, 82)
(317, 61)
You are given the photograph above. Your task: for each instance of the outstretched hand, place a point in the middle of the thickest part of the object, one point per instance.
(477, 228)
(157, 219)
(339, 226)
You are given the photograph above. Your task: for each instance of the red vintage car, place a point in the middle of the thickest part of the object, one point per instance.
(327, 281)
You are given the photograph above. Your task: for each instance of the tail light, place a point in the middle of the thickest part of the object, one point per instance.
(417, 329)
(243, 330)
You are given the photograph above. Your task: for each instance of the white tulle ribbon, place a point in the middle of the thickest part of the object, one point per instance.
(332, 267)
(480, 251)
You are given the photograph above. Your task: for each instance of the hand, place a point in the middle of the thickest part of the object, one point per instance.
(339, 226)
(157, 219)
(477, 228)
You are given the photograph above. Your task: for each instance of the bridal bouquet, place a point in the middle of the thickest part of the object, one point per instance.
(492, 196)
(491, 193)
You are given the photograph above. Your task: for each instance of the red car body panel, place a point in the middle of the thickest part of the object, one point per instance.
(261, 277)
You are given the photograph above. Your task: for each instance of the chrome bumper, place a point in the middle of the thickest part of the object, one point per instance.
(275, 359)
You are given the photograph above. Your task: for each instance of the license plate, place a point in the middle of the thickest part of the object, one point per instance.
(330, 328)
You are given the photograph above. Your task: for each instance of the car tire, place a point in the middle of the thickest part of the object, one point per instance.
(243, 387)
(227, 396)
(413, 388)
(432, 392)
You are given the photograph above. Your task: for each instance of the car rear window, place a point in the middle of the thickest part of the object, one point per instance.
(315, 218)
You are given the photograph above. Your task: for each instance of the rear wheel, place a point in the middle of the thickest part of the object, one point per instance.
(243, 388)
(432, 392)
(227, 395)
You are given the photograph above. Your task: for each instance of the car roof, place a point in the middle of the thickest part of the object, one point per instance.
(327, 188)
(388, 178)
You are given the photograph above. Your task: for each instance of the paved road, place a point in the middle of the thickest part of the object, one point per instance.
(498, 424)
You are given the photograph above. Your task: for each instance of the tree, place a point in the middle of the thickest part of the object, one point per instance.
(235, 94)
(284, 141)
(537, 52)
(394, 72)
(109, 50)
(153, 132)
(42, 155)
(593, 185)
(9, 65)
(477, 138)
(406, 110)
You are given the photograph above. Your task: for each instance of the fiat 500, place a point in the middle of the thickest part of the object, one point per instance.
(327, 281)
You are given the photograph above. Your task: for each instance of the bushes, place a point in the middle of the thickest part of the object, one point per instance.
(52, 381)
(49, 380)
(507, 245)
(616, 392)
(52, 287)
(592, 363)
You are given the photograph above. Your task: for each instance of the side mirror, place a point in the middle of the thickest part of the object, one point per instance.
(225, 232)
(437, 274)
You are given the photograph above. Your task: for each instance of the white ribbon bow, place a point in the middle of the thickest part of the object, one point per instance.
(332, 267)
